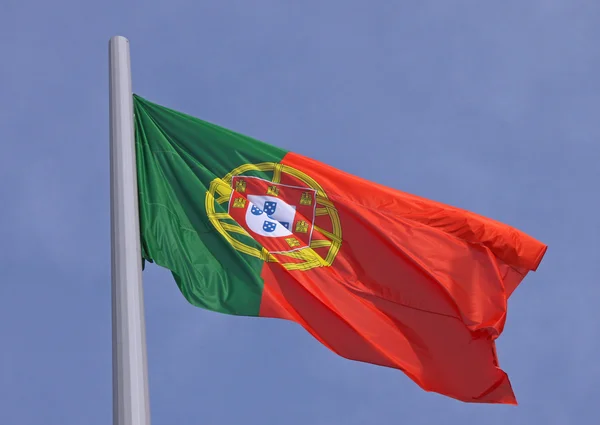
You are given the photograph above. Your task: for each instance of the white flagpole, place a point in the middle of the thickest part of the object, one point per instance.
(130, 369)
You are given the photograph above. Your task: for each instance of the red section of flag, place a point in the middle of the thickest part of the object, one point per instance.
(417, 285)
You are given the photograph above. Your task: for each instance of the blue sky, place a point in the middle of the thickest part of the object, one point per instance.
(490, 106)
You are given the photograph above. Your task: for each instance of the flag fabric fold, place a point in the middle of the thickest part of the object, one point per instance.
(375, 274)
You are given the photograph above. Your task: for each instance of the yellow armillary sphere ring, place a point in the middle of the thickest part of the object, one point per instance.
(295, 224)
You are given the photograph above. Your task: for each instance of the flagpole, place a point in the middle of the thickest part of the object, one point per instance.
(130, 369)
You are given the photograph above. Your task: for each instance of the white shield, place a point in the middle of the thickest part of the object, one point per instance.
(269, 216)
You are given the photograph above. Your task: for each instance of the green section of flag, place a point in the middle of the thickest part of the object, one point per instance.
(178, 156)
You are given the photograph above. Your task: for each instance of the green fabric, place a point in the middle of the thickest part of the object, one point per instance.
(177, 158)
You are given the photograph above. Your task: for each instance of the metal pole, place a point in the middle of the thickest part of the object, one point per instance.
(130, 369)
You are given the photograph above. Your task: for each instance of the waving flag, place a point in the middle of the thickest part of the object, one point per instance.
(375, 274)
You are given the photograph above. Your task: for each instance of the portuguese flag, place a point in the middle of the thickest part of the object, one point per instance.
(373, 273)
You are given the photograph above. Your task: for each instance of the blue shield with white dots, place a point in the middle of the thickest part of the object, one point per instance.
(269, 226)
(255, 210)
(270, 207)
